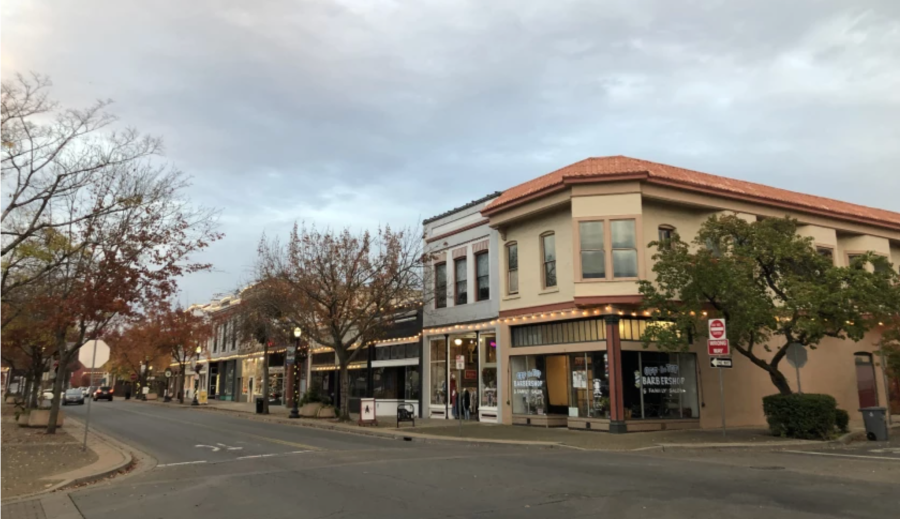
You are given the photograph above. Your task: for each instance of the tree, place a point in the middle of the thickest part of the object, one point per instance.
(134, 347)
(342, 289)
(770, 284)
(59, 171)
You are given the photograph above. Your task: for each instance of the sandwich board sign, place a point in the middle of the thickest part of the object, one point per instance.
(367, 412)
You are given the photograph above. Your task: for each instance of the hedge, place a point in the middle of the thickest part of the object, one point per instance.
(804, 416)
(842, 420)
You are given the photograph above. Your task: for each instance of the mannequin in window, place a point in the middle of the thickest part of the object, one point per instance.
(467, 402)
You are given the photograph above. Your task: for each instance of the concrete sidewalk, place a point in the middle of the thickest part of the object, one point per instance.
(471, 431)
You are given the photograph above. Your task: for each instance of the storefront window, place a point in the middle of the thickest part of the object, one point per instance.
(385, 381)
(659, 385)
(413, 382)
(229, 379)
(489, 371)
(589, 384)
(529, 384)
(357, 383)
(438, 372)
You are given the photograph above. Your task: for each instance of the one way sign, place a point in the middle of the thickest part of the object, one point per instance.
(721, 362)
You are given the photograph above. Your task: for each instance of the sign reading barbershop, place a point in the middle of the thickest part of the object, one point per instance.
(530, 378)
(662, 379)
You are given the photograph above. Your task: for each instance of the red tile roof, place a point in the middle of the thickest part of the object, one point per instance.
(605, 169)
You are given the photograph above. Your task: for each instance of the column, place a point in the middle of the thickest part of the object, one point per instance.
(617, 423)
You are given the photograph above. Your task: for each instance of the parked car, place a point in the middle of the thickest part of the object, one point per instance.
(73, 396)
(103, 393)
(87, 391)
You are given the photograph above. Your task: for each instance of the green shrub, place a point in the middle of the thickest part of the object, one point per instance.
(313, 396)
(842, 420)
(808, 417)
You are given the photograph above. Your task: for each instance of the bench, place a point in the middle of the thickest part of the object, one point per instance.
(406, 413)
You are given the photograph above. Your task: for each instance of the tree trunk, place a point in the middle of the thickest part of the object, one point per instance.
(181, 382)
(779, 380)
(57, 393)
(345, 392)
(265, 381)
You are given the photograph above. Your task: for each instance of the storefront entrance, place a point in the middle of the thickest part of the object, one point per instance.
(467, 390)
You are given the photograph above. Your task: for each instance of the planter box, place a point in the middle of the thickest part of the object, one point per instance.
(310, 410)
(152, 396)
(11, 399)
(40, 418)
(327, 412)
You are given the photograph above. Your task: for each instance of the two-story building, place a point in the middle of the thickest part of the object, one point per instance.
(461, 307)
(572, 248)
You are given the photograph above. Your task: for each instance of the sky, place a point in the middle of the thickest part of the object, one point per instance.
(363, 113)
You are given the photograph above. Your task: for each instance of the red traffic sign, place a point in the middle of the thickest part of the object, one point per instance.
(718, 347)
(717, 328)
(133, 377)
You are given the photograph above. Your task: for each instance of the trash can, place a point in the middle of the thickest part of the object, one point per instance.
(876, 425)
(259, 405)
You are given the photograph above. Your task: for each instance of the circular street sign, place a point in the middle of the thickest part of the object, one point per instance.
(717, 328)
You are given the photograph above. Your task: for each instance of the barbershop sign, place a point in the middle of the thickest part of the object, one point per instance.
(530, 378)
(663, 379)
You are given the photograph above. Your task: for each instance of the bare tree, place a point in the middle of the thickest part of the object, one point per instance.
(58, 170)
(343, 289)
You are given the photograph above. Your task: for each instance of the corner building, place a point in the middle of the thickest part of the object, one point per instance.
(572, 247)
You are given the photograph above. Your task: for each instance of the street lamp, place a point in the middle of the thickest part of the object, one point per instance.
(196, 372)
(295, 411)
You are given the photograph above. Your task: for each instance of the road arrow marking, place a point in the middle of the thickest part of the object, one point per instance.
(229, 448)
(214, 449)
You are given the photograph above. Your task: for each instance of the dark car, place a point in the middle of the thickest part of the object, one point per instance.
(104, 393)
(73, 396)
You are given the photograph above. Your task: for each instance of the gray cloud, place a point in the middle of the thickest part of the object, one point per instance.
(360, 113)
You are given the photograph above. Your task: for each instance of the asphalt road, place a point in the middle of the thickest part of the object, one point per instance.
(227, 467)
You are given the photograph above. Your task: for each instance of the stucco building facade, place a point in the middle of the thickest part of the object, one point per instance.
(570, 249)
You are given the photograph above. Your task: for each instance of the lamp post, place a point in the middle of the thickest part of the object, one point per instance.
(295, 411)
(196, 372)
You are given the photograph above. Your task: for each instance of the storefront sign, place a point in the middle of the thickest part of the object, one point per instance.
(717, 329)
(276, 370)
(718, 347)
(460, 362)
(530, 378)
(662, 379)
(579, 379)
(203, 397)
(471, 374)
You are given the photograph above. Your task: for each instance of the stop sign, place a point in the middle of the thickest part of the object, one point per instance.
(717, 328)
(133, 377)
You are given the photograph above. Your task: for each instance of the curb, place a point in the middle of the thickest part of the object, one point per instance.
(128, 461)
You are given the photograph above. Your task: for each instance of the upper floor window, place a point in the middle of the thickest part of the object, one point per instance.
(593, 253)
(461, 278)
(851, 258)
(666, 233)
(512, 268)
(826, 252)
(440, 285)
(216, 340)
(482, 276)
(548, 250)
(624, 249)
(608, 249)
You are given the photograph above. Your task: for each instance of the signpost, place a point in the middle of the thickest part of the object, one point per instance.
(98, 353)
(291, 353)
(717, 346)
(796, 356)
(721, 362)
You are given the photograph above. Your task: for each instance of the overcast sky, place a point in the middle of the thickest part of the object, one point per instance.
(374, 111)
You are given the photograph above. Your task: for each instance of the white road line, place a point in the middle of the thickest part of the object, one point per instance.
(255, 456)
(844, 455)
(182, 463)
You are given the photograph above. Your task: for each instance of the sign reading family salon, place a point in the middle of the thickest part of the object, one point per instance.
(663, 379)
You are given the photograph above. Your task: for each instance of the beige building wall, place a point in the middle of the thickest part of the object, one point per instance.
(527, 235)
(831, 368)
